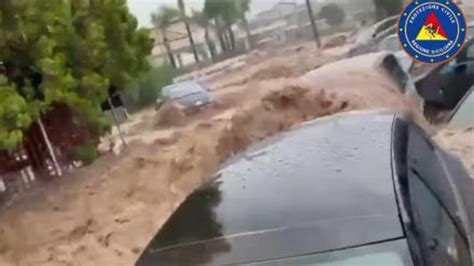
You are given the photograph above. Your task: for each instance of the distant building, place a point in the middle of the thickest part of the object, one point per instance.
(278, 11)
(285, 22)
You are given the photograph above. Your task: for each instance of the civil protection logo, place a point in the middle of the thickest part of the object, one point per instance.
(432, 31)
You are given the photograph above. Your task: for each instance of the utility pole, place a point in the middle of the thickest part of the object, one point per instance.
(117, 122)
(313, 23)
(58, 169)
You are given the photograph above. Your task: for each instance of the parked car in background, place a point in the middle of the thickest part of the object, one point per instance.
(188, 95)
(443, 87)
(398, 65)
(391, 44)
(378, 191)
(463, 114)
(367, 40)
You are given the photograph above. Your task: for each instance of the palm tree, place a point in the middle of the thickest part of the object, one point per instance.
(243, 6)
(162, 19)
(230, 33)
(313, 24)
(225, 14)
(213, 9)
(203, 20)
(229, 12)
(188, 29)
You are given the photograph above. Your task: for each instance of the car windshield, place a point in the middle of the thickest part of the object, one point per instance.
(463, 116)
(371, 32)
(394, 253)
(181, 90)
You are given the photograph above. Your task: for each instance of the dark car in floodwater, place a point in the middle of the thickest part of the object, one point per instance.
(352, 189)
(188, 95)
(368, 40)
(444, 86)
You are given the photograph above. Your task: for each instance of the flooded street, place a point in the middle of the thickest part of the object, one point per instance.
(107, 212)
(230, 132)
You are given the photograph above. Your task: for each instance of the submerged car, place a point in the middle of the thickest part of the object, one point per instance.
(443, 87)
(362, 188)
(368, 39)
(188, 95)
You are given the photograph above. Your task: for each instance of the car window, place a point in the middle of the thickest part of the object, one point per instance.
(440, 240)
(463, 115)
(432, 205)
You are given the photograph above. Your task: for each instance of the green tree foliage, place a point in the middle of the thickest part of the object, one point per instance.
(67, 51)
(213, 10)
(333, 14)
(15, 116)
(87, 153)
(386, 8)
(227, 12)
(147, 87)
(243, 6)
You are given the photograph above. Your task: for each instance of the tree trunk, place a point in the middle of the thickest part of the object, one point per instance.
(210, 44)
(231, 37)
(168, 49)
(52, 154)
(188, 30)
(313, 23)
(247, 31)
(225, 33)
(220, 35)
(191, 42)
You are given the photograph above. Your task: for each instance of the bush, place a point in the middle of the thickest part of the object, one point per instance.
(87, 153)
(147, 87)
(333, 14)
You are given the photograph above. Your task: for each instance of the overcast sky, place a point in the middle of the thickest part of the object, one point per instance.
(143, 8)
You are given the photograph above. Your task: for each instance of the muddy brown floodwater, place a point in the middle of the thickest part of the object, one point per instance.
(460, 142)
(106, 213)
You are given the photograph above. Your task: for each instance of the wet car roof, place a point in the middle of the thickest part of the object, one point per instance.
(323, 186)
(183, 88)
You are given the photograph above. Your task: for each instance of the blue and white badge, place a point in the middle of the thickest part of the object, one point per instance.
(432, 31)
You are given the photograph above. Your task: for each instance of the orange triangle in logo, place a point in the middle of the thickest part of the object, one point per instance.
(432, 30)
